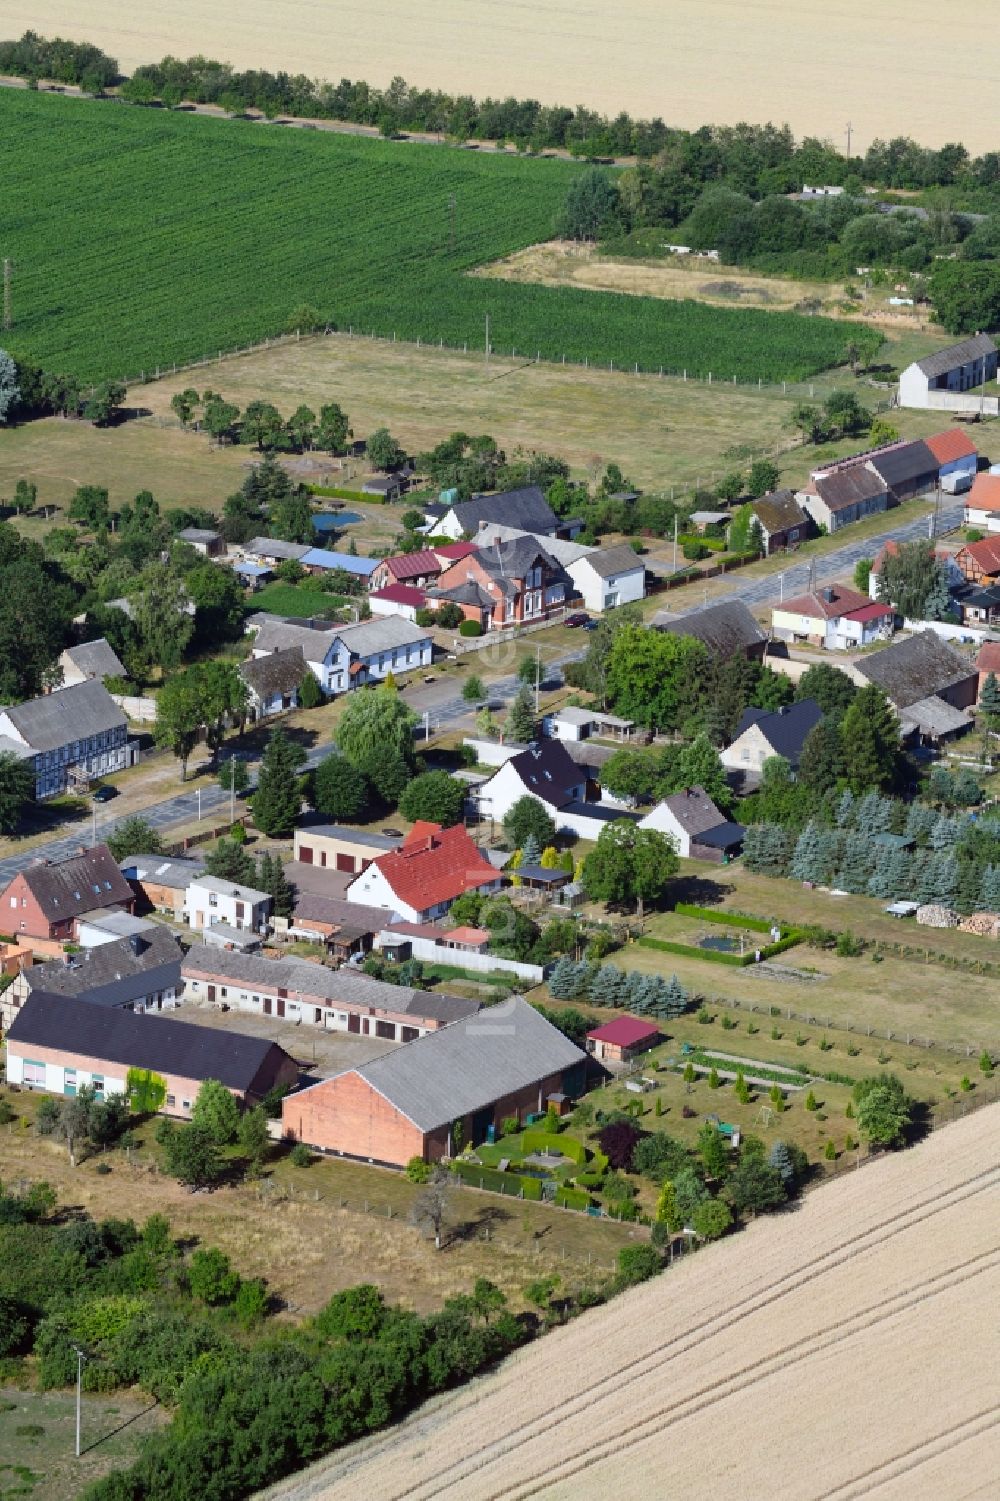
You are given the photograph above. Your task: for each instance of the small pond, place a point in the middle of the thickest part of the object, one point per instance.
(524, 1171)
(722, 943)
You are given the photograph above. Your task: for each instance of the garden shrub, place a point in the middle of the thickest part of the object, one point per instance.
(573, 1198)
(470, 628)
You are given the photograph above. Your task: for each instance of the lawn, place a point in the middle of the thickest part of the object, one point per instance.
(303, 599)
(37, 1435)
(355, 227)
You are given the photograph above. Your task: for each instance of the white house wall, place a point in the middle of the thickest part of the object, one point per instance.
(596, 590)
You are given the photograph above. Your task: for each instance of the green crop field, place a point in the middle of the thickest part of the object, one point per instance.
(141, 238)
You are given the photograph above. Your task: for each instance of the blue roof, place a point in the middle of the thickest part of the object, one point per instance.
(318, 557)
(252, 570)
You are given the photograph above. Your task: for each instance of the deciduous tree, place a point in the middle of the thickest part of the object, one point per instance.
(629, 866)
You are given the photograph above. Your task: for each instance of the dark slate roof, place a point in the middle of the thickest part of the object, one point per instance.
(542, 874)
(513, 559)
(601, 812)
(114, 974)
(469, 593)
(71, 1026)
(779, 511)
(694, 810)
(725, 836)
(917, 668)
(281, 672)
(957, 354)
(74, 713)
(784, 729)
(549, 771)
(849, 487)
(906, 464)
(67, 888)
(725, 628)
(526, 509)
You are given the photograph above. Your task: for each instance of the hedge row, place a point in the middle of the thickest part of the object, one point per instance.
(733, 919)
(547, 1141)
(497, 1182)
(573, 1198)
(691, 951)
(334, 492)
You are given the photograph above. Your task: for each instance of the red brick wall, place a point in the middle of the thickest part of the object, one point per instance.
(28, 919)
(346, 1115)
(180, 1088)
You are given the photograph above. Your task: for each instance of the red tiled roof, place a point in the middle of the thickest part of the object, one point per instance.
(411, 565)
(873, 611)
(435, 865)
(889, 549)
(471, 937)
(401, 594)
(951, 445)
(624, 1031)
(988, 659)
(985, 493)
(985, 553)
(454, 551)
(816, 604)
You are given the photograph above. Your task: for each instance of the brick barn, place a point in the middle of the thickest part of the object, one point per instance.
(45, 900)
(506, 1061)
(623, 1039)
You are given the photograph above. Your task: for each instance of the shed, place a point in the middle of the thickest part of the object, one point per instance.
(621, 1040)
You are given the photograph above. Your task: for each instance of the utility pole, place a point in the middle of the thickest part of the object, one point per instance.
(849, 140)
(8, 278)
(675, 542)
(80, 1358)
(232, 789)
(538, 673)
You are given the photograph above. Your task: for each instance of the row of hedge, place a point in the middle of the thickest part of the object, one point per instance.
(513, 1184)
(733, 919)
(777, 1073)
(573, 1198)
(714, 956)
(335, 492)
(547, 1141)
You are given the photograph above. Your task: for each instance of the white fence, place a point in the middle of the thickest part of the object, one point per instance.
(948, 631)
(438, 953)
(963, 401)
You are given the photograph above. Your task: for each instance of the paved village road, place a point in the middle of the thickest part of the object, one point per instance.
(443, 706)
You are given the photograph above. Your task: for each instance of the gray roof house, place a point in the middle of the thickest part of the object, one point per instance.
(208, 543)
(507, 1060)
(273, 681)
(953, 379)
(141, 972)
(726, 629)
(929, 683)
(781, 519)
(699, 830)
(837, 499)
(525, 509)
(348, 656)
(274, 550)
(91, 659)
(762, 733)
(70, 737)
(302, 991)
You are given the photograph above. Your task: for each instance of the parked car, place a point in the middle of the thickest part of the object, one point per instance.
(578, 618)
(105, 794)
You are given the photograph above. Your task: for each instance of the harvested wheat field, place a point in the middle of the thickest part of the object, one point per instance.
(849, 1349)
(691, 62)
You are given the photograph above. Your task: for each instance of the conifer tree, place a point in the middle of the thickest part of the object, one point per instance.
(856, 862)
(607, 987)
(632, 991)
(272, 879)
(945, 833)
(845, 809)
(990, 889)
(520, 721)
(531, 851)
(919, 822)
(780, 1158)
(278, 799)
(674, 999)
(805, 861)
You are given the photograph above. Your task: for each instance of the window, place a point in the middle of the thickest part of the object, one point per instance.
(170, 1099)
(213, 900)
(13, 901)
(97, 1080)
(34, 1074)
(185, 1104)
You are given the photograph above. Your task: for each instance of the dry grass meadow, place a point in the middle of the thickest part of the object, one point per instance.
(565, 263)
(689, 61)
(665, 433)
(836, 1352)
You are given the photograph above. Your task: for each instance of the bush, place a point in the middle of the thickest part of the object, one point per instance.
(573, 1198)
(417, 1170)
(618, 1142)
(211, 1277)
(470, 628)
(637, 1264)
(300, 1155)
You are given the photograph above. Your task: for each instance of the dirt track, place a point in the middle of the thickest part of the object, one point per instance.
(850, 1349)
(690, 61)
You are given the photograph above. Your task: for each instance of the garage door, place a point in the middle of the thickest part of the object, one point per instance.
(305, 854)
(346, 862)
